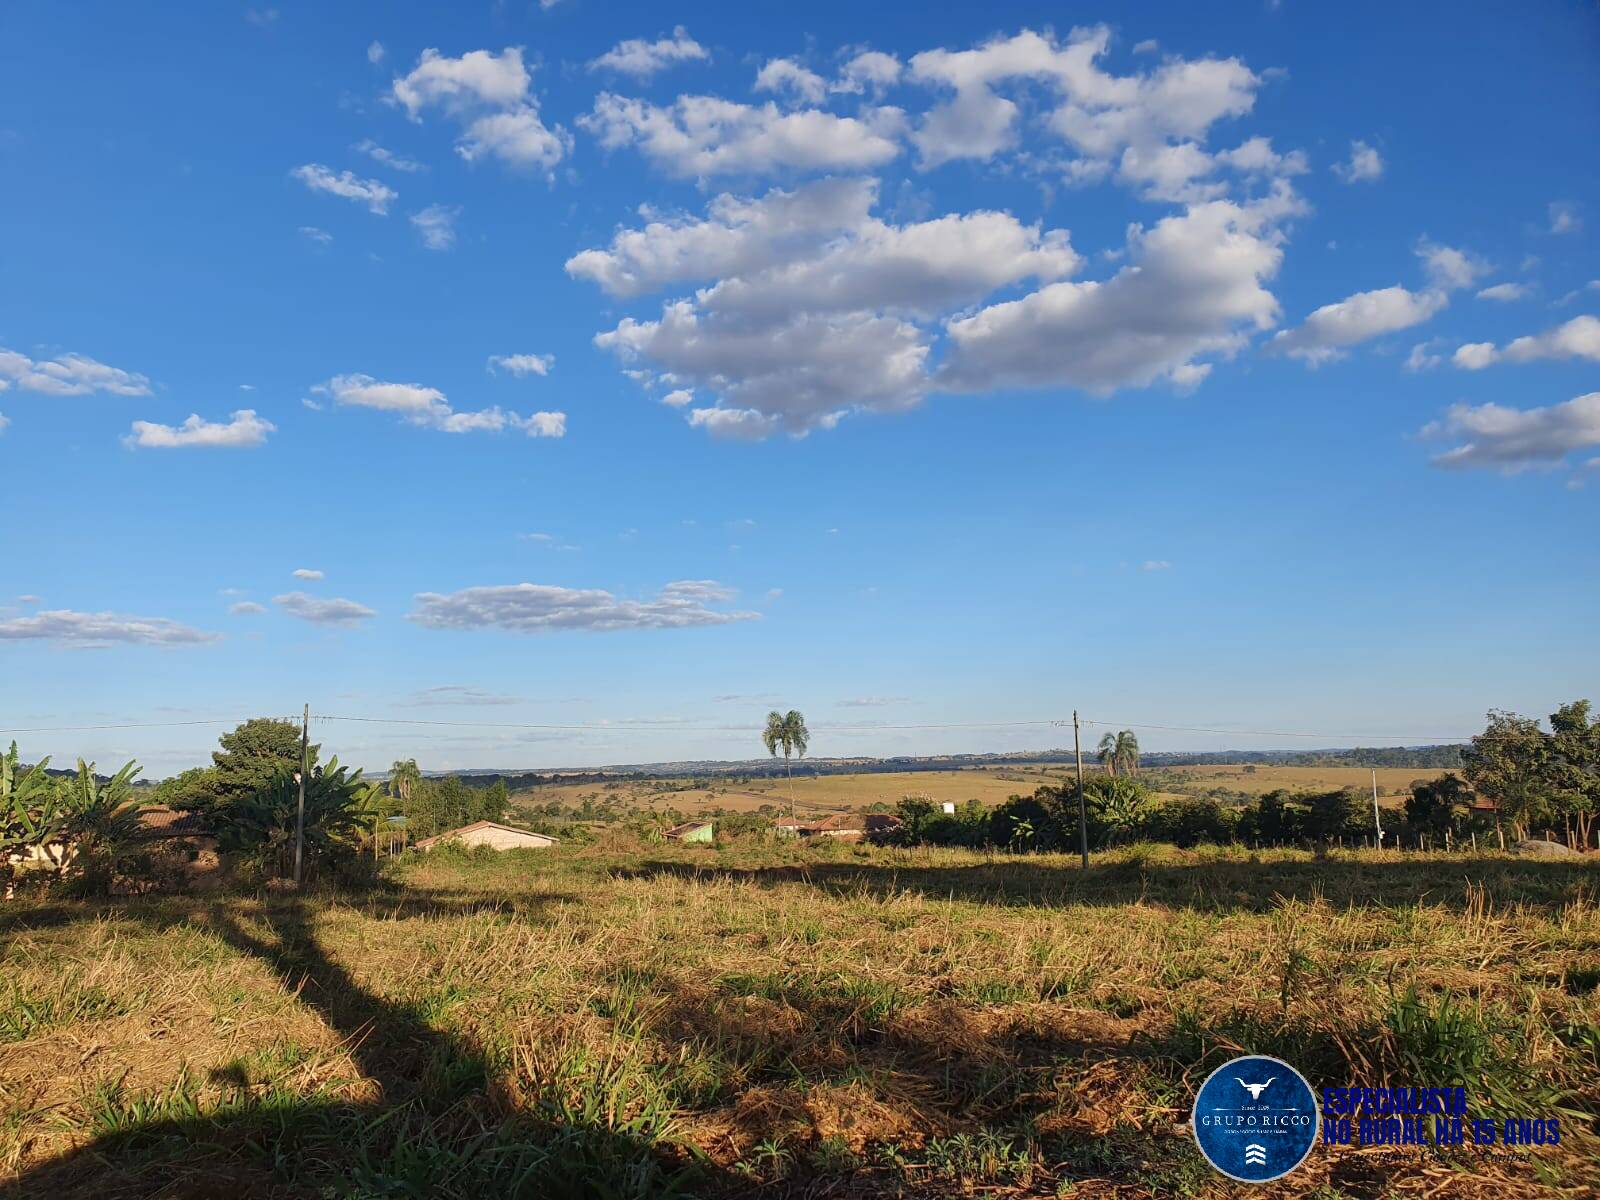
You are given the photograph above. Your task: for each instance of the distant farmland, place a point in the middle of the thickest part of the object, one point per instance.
(988, 785)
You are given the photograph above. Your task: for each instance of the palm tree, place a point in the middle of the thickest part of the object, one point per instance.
(1119, 753)
(1127, 751)
(786, 731)
(403, 777)
(1107, 753)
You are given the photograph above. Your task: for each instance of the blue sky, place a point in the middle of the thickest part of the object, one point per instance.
(608, 366)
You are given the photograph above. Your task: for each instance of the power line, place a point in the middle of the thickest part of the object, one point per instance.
(128, 725)
(637, 726)
(642, 725)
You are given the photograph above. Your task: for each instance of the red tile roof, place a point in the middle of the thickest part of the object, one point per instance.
(159, 821)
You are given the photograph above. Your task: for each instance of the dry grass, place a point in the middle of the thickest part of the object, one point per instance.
(791, 1020)
(815, 795)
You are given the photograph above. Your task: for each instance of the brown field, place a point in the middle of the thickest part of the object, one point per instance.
(989, 785)
(793, 1022)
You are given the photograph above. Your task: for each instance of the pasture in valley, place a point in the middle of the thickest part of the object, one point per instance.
(812, 794)
(789, 1020)
(815, 794)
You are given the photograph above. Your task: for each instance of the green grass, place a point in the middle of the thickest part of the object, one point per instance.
(798, 1020)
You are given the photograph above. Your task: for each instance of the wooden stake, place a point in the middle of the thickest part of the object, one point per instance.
(300, 807)
(1083, 812)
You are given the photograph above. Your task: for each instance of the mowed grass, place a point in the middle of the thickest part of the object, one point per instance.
(790, 1020)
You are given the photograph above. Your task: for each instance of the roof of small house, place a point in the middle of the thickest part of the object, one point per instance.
(159, 821)
(476, 825)
(856, 823)
(688, 827)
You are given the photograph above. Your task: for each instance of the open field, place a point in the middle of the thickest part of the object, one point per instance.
(1392, 781)
(824, 793)
(989, 785)
(794, 1020)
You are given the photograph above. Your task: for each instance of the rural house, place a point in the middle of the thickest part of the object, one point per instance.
(692, 831)
(492, 834)
(853, 827)
(789, 826)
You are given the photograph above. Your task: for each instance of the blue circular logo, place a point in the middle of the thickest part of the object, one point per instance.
(1256, 1118)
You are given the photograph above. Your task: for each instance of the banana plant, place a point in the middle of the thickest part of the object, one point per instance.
(32, 815)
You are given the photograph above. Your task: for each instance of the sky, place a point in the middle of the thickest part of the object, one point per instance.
(566, 384)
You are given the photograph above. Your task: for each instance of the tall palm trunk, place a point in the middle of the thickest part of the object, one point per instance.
(790, 773)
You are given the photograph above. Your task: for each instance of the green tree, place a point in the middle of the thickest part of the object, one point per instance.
(1336, 814)
(788, 732)
(1274, 817)
(252, 757)
(1438, 806)
(1575, 765)
(260, 827)
(1509, 763)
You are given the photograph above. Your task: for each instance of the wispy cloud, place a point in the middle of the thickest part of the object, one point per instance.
(91, 630)
(459, 694)
(323, 612)
(376, 195)
(541, 608)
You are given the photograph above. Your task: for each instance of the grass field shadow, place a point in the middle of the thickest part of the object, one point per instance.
(1220, 885)
(433, 1119)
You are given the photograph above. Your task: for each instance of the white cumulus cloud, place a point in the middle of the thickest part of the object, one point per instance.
(1577, 338)
(814, 305)
(489, 95)
(1195, 285)
(1515, 439)
(243, 429)
(703, 136)
(642, 59)
(427, 407)
(1365, 164)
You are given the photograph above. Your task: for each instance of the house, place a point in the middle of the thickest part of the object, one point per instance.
(186, 842)
(854, 827)
(790, 826)
(692, 831)
(492, 834)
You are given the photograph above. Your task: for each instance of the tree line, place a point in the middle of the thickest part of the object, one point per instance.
(1530, 778)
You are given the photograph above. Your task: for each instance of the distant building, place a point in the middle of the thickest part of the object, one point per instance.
(692, 831)
(853, 827)
(790, 826)
(492, 834)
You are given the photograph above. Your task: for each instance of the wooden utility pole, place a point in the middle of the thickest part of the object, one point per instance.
(300, 807)
(1083, 813)
(1377, 821)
